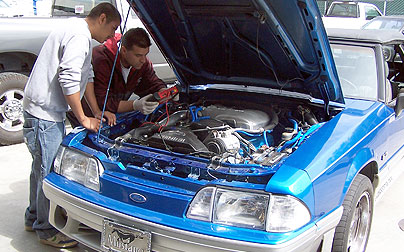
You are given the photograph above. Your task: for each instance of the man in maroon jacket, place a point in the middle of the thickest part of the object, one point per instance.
(133, 73)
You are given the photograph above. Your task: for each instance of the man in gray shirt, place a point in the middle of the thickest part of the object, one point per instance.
(57, 82)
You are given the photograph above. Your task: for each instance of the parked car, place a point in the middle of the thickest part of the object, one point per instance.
(280, 141)
(350, 15)
(386, 23)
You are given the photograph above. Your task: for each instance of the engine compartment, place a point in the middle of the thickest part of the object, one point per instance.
(227, 134)
(211, 134)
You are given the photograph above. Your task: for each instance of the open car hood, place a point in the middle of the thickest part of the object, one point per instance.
(273, 44)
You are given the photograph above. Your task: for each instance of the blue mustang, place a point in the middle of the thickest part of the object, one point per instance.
(281, 140)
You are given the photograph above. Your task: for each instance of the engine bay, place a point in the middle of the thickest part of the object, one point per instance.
(225, 134)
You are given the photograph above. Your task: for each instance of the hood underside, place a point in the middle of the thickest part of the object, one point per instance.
(266, 43)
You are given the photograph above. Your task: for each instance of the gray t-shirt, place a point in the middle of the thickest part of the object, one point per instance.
(63, 68)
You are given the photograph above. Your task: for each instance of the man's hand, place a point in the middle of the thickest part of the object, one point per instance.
(111, 118)
(91, 123)
(145, 107)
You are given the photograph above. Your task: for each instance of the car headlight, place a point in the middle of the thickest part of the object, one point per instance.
(286, 213)
(78, 167)
(273, 213)
(201, 205)
(242, 209)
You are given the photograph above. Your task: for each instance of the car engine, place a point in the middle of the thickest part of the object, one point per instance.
(224, 134)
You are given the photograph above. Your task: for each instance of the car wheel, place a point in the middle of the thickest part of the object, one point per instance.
(352, 232)
(11, 112)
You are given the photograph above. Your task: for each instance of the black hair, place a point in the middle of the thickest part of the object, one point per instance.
(136, 36)
(108, 9)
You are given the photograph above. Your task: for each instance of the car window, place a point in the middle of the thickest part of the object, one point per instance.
(343, 10)
(371, 12)
(357, 72)
(393, 24)
(74, 7)
(375, 24)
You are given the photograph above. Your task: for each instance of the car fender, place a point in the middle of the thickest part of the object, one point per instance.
(363, 159)
(293, 181)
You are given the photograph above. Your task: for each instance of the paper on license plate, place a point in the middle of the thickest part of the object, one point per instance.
(121, 238)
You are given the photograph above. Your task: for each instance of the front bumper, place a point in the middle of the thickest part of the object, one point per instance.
(166, 239)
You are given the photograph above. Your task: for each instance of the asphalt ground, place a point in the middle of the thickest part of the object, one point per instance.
(15, 165)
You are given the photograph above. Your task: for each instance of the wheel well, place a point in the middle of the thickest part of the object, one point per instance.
(18, 62)
(370, 171)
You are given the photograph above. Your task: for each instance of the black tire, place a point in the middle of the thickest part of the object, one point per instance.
(11, 112)
(352, 232)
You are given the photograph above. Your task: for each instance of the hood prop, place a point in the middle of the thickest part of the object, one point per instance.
(112, 73)
(325, 94)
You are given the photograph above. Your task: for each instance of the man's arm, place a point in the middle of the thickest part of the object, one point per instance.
(89, 95)
(89, 123)
(125, 106)
(70, 66)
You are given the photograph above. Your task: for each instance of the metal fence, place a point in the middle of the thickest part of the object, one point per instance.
(395, 7)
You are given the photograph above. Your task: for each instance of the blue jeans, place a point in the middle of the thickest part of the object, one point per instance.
(42, 139)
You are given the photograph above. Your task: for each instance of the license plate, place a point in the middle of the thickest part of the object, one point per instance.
(121, 238)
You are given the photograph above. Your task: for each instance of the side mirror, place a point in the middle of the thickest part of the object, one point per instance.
(399, 102)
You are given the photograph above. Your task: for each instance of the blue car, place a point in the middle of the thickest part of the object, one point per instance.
(282, 138)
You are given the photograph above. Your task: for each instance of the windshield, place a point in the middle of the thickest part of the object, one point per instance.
(74, 7)
(392, 24)
(356, 67)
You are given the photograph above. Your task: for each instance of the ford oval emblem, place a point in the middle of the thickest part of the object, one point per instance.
(137, 197)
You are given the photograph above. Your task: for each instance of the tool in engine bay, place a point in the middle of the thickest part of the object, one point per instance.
(166, 95)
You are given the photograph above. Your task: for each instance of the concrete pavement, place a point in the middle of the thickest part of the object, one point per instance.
(15, 164)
